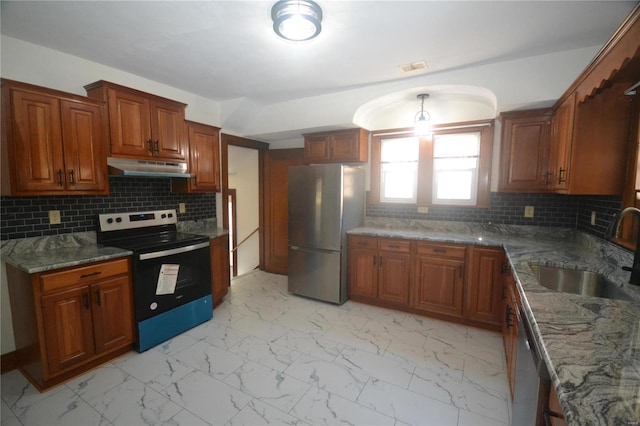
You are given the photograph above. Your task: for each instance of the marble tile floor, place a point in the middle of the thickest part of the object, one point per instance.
(269, 357)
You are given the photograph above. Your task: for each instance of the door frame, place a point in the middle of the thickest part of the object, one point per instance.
(225, 141)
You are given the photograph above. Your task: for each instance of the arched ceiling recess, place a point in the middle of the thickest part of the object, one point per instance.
(446, 104)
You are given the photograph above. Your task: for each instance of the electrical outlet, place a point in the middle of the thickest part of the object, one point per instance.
(182, 207)
(593, 217)
(54, 217)
(529, 211)
(424, 210)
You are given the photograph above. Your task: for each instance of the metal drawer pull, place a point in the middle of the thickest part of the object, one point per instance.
(59, 177)
(439, 250)
(72, 177)
(394, 246)
(162, 253)
(157, 146)
(92, 274)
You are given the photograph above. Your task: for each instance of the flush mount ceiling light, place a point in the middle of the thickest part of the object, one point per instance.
(422, 126)
(296, 20)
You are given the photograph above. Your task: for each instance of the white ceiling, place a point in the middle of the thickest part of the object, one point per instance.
(224, 50)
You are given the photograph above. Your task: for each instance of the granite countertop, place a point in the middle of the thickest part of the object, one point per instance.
(591, 346)
(41, 254)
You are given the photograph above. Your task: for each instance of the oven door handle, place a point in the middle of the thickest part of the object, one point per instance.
(162, 253)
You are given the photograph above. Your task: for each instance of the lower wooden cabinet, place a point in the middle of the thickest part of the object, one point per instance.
(379, 270)
(439, 278)
(67, 321)
(394, 266)
(483, 300)
(556, 417)
(220, 268)
(449, 281)
(510, 328)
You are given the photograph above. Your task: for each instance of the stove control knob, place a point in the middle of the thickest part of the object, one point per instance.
(118, 219)
(170, 214)
(163, 216)
(110, 220)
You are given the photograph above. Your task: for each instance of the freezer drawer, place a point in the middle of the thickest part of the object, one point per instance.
(316, 274)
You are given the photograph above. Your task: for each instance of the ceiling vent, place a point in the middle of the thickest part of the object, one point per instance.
(414, 66)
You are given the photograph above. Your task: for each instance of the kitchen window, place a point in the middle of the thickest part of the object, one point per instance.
(449, 167)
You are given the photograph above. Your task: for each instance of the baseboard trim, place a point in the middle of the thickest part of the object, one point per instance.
(8, 361)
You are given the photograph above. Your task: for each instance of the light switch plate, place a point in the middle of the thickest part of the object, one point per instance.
(182, 207)
(54, 217)
(423, 210)
(529, 211)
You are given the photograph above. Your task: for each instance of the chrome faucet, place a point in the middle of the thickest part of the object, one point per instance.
(614, 231)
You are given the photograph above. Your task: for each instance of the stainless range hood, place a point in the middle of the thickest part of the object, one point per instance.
(131, 167)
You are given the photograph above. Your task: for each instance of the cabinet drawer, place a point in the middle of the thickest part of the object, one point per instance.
(395, 245)
(363, 242)
(450, 251)
(84, 274)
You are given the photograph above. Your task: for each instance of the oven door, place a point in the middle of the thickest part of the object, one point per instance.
(165, 279)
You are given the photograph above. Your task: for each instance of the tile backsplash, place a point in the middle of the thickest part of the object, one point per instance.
(550, 210)
(22, 217)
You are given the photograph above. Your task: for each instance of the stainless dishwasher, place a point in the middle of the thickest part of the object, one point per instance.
(532, 382)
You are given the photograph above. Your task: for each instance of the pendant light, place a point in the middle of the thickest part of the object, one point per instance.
(422, 125)
(296, 20)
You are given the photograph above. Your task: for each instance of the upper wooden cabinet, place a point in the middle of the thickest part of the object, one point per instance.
(340, 146)
(142, 125)
(561, 143)
(588, 136)
(204, 160)
(53, 143)
(524, 158)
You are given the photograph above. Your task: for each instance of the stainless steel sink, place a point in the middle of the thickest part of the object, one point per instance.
(578, 282)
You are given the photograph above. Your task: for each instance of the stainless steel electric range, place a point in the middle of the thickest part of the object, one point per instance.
(171, 272)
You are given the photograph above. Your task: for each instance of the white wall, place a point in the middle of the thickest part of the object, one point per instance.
(245, 179)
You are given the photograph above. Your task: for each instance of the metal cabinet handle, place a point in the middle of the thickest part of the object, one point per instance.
(157, 146)
(507, 316)
(59, 177)
(561, 178)
(394, 246)
(72, 177)
(439, 250)
(150, 144)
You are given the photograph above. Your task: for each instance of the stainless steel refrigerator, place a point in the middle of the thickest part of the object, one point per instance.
(325, 201)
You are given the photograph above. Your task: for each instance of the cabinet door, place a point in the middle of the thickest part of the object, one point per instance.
(220, 268)
(68, 328)
(168, 133)
(316, 149)
(112, 313)
(438, 285)
(363, 267)
(525, 153)
(510, 331)
(344, 147)
(84, 142)
(484, 286)
(204, 158)
(129, 121)
(561, 142)
(37, 143)
(393, 284)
